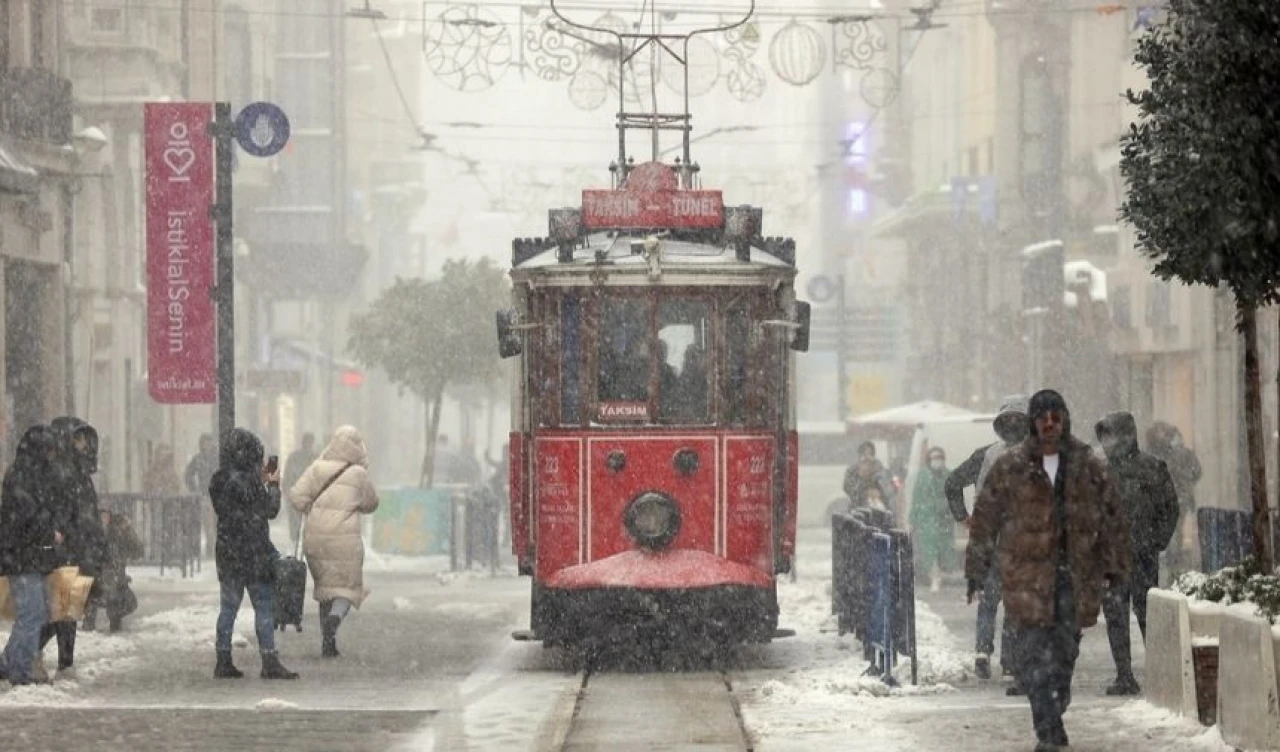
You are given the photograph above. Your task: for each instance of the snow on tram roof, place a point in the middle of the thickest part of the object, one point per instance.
(618, 248)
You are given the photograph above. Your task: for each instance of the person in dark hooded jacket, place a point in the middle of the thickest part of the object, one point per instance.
(32, 519)
(86, 545)
(1150, 502)
(245, 499)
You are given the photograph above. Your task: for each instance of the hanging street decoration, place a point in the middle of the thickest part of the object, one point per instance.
(745, 80)
(856, 43)
(468, 48)
(878, 87)
(797, 54)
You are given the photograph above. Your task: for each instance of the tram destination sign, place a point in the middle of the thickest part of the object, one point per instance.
(651, 198)
(662, 208)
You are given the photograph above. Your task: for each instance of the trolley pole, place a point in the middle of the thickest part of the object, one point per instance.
(224, 291)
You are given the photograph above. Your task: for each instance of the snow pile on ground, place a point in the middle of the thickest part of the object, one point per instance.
(396, 563)
(818, 686)
(401, 603)
(1159, 728)
(102, 655)
(274, 703)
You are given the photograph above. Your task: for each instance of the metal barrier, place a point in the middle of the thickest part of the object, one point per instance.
(873, 589)
(168, 526)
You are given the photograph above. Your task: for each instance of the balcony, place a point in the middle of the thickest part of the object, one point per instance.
(35, 105)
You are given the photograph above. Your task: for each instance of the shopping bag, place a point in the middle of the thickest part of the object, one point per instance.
(8, 611)
(68, 593)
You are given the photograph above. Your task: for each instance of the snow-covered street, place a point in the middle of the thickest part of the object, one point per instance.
(428, 665)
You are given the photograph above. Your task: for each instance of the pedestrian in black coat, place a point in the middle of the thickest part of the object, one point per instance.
(86, 545)
(245, 499)
(1150, 502)
(32, 519)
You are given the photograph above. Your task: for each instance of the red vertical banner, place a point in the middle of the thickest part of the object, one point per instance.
(181, 320)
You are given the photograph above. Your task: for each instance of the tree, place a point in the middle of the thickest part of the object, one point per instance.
(429, 335)
(1203, 168)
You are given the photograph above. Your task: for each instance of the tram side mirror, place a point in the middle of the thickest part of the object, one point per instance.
(800, 335)
(509, 343)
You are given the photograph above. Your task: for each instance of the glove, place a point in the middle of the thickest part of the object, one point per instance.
(974, 588)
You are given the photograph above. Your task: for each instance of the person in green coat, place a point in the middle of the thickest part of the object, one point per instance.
(932, 527)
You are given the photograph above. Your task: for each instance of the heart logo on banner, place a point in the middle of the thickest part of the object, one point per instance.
(179, 160)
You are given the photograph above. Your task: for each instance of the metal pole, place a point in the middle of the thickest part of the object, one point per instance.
(224, 292)
(842, 352)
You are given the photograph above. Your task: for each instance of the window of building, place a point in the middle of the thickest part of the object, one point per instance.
(106, 20)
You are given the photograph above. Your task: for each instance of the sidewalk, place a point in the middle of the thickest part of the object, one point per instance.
(811, 695)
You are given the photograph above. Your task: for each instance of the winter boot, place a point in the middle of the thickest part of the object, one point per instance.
(272, 668)
(982, 666)
(117, 623)
(1015, 690)
(1124, 685)
(39, 674)
(329, 636)
(225, 669)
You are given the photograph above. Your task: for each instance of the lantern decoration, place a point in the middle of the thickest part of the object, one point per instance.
(468, 48)
(588, 89)
(745, 80)
(704, 69)
(797, 54)
(550, 54)
(878, 87)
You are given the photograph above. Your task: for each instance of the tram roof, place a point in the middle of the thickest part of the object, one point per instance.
(622, 253)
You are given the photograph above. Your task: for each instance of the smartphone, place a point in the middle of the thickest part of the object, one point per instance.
(273, 463)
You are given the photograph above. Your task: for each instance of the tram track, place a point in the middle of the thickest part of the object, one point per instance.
(651, 711)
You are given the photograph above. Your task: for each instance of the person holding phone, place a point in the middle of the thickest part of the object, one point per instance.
(246, 497)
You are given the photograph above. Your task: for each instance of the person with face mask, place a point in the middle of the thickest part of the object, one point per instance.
(1050, 512)
(1012, 427)
(933, 532)
(1150, 504)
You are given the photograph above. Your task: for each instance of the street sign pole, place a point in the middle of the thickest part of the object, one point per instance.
(842, 353)
(223, 130)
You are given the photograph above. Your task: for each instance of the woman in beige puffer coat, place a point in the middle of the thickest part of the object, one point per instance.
(331, 540)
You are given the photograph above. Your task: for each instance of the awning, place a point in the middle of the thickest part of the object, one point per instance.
(16, 176)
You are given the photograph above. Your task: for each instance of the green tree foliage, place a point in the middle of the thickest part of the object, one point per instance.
(1203, 170)
(430, 335)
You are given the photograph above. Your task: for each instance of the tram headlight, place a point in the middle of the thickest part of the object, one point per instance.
(652, 520)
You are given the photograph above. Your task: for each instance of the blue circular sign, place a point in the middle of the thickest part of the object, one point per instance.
(262, 129)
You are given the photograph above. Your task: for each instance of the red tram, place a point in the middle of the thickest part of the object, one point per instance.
(653, 450)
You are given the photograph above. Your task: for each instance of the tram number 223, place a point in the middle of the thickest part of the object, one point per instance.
(756, 464)
(550, 465)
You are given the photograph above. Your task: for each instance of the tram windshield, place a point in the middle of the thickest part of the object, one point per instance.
(684, 376)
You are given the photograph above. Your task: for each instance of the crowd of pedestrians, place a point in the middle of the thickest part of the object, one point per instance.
(1059, 532)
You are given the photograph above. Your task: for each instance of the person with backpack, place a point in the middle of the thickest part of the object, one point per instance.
(246, 497)
(331, 495)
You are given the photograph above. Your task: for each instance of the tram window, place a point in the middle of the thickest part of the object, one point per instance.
(684, 365)
(570, 357)
(623, 374)
(737, 355)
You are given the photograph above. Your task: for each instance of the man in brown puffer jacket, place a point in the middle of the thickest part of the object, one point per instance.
(1050, 511)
